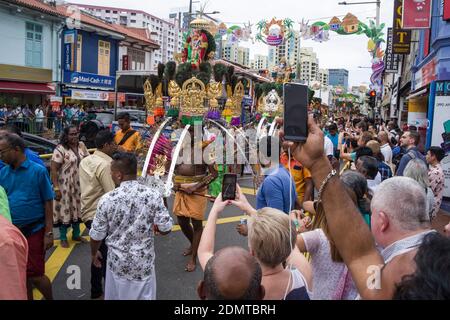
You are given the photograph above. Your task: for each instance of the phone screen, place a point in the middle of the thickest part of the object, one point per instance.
(229, 187)
(295, 112)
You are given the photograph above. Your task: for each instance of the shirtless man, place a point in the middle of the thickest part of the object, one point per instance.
(191, 184)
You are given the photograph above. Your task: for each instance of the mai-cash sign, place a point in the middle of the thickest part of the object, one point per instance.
(89, 80)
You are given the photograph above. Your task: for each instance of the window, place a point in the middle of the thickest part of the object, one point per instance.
(137, 58)
(108, 11)
(33, 45)
(115, 12)
(104, 51)
(133, 13)
(79, 51)
(132, 21)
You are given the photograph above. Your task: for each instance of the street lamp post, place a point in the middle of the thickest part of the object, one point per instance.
(190, 11)
(378, 3)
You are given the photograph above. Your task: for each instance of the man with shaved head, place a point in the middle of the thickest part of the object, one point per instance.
(239, 280)
(231, 273)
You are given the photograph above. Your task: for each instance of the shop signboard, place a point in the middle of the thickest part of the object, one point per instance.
(89, 80)
(440, 126)
(90, 95)
(120, 97)
(446, 10)
(56, 102)
(247, 101)
(69, 50)
(401, 38)
(416, 14)
(417, 112)
(125, 62)
(391, 59)
(394, 99)
(425, 75)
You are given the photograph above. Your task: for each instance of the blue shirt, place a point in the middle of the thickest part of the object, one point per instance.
(28, 188)
(30, 154)
(334, 139)
(275, 191)
(384, 170)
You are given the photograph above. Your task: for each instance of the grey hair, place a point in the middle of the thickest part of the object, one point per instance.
(418, 171)
(356, 182)
(404, 201)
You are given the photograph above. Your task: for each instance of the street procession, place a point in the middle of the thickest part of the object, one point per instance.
(224, 150)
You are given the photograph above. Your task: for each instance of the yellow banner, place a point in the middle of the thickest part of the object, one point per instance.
(419, 104)
(18, 73)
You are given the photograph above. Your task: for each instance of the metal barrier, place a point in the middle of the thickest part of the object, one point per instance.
(43, 126)
(49, 156)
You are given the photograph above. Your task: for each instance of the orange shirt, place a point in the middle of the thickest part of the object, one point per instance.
(13, 262)
(299, 175)
(133, 143)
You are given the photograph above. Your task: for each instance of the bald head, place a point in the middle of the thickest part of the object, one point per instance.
(232, 274)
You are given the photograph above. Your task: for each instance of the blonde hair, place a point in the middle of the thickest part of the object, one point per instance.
(269, 237)
(374, 146)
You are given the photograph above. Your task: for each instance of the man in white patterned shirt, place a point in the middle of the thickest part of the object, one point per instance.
(436, 175)
(128, 217)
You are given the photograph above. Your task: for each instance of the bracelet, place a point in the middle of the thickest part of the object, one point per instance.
(324, 183)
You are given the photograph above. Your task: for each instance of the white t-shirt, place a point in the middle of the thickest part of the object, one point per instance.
(386, 150)
(373, 185)
(328, 146)
(39, 115)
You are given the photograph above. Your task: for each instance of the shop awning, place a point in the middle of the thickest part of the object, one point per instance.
(25, 87)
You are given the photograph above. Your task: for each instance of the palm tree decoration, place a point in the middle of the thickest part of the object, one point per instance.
(288, 27)
(375, 35)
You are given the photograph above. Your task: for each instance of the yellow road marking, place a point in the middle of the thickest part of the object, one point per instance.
(59, 256)
(55, 262)
(220, 221)
(249, 191)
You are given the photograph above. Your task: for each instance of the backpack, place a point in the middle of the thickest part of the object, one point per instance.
(397, 158)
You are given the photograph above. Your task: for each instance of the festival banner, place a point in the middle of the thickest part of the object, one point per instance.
(401, 37)
(416, 14)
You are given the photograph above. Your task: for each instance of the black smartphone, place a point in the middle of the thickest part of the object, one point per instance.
(295, 112)
(229, 187)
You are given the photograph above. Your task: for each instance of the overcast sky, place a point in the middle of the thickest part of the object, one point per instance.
(347, 52)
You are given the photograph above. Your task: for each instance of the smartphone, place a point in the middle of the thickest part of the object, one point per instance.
(295, 112)
(229, 187)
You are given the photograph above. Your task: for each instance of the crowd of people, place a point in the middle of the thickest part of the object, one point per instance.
(37, 119)
(364, 234)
